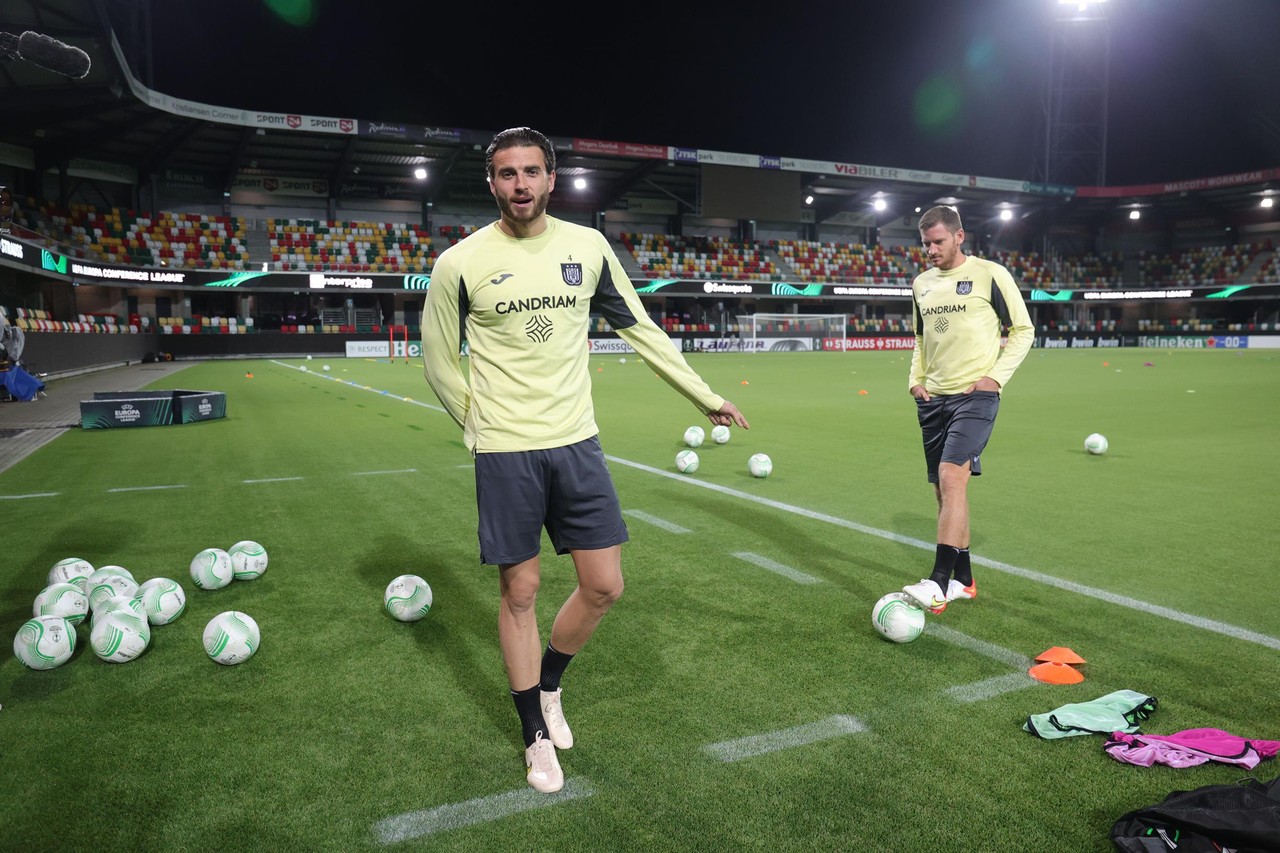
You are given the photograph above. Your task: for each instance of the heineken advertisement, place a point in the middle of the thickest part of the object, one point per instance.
(110, 409)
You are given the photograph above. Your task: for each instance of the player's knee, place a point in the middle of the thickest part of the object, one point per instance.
(521, 594)
(604, 594)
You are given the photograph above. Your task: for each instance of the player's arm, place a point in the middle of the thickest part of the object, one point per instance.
(617, 300)
(915, 380)
(1007, 301)
(443, 328)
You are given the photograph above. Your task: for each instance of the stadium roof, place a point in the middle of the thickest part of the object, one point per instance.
(112, 121)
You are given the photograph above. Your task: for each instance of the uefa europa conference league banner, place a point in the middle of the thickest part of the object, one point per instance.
(109, 409)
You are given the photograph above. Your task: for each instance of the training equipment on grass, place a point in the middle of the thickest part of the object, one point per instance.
(325, 368)
(62, 599)
(118, 604)
(163, 600)
(108, 581)
(231, 637)
(120, 636)
(248, 560)
(407, 598)
(896, 617)
(211, 569)
(44, 642)
(71, 570)
(1096, 444)
(720, 434)
(686, 461)
(760, 465)
(694, 436)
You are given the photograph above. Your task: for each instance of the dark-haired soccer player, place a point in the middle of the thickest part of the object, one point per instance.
(520, 292)
(961, 306)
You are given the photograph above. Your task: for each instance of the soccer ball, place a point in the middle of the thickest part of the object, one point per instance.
(720, 435)
(693, 436)
(71, 570)
(407, 598)
(44, 642)
(687, 461)
(121, 604)
(120, 636)
(108, 581)
(248, 560)
(211, 568)
(760, 465)
(62, 599)
(1096, 444)
(897, 618)
(231, 637)
(162, 600)
(308, 358)
(325, 368)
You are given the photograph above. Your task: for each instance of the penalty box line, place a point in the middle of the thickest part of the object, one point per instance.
(1227, 630)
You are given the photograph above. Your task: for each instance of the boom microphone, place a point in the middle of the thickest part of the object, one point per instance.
(52, 55)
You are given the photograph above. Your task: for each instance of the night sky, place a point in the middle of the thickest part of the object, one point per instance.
(945, 86)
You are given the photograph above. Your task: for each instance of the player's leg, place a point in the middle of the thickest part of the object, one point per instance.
(584, 521)
(511, 501)
(931, 592)
(970, 430)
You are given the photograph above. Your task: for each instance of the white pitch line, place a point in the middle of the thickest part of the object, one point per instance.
(776, 568)
(33, 495)
(982, 647)
(148, 488)
(989, 688)
(376, 473)
(655, 521)
(274, 480)
(1169, 613)
(480, 810)
(753, 745)
(357, 386)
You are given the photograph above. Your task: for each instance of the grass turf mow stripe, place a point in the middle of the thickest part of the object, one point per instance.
(1026, 574)
(776, 568)
(753, 745)
(481, 810)
(668, 526)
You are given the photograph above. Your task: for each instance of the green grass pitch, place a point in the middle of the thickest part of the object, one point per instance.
(723, 704)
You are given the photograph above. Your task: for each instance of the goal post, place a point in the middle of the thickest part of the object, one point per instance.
(790, 332)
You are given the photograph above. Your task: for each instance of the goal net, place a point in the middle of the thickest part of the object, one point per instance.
(789, 332)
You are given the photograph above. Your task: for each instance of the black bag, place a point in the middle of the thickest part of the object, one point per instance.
(1244, 817)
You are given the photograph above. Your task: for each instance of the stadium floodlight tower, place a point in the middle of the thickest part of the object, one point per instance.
(1075, 99)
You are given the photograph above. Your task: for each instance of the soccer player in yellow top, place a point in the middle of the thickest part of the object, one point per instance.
(957, 371)
(520, 291)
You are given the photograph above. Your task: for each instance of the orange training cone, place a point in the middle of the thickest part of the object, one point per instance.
(248, 376)
(1059, 654)
(1055, 673)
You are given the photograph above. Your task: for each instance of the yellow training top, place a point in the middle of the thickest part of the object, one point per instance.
(523, 306)
(959, 314)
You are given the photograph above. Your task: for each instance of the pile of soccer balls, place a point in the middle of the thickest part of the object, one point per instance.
(121, 612)
(687, 461)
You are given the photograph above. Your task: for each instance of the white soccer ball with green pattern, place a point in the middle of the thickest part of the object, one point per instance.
(760, 465)
(163, 600)
(687, 462)
(896, 617)
(248, 560)
(720, 434)
(231, 637)
(71, 570)
(211, 569)
(62, 599)
(407, 598)
(44, 642)
(119, 603)
(108, 581)
(694, 436)
(120, 636)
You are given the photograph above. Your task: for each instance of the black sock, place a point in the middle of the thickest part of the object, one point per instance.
(553, 664)
(964, 572)
(944, 562)
(529, 707)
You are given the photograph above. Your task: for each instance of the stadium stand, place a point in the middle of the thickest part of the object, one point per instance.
(339, 245)
(667, 256)
(1207, 265)
(845, 262)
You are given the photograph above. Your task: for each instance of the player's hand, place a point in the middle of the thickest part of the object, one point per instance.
(986, 383)
(728, 415)
(920, 393)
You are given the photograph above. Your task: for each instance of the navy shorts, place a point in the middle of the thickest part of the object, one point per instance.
(567, 490)
(956, 428)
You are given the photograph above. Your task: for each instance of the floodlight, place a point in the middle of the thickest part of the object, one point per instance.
(579, 183)
(808, 199)
(1267, 201)
(1006, 215)
(1135, 214)
(880, 204)
(420, 173)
